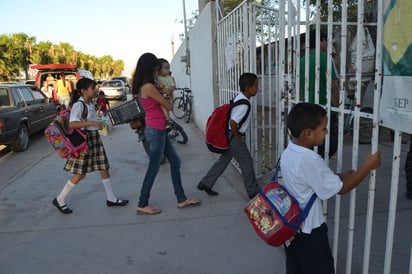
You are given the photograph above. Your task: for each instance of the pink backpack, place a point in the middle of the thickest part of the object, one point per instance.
(66, 141)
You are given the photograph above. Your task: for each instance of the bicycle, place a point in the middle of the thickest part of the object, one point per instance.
(182, 105)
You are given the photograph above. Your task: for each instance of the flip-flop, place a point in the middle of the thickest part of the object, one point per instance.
(150, 211)
(189, 203)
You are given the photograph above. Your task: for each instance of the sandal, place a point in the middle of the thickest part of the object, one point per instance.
(63, 209)
(189, 203)
(148, 210)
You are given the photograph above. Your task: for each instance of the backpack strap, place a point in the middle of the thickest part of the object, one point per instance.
(85, 110)
(307, 208)
(237, 103)
(309, 205)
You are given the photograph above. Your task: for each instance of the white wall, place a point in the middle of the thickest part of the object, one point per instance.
(202, 79)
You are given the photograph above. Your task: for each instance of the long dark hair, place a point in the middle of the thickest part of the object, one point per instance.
(83, 83)
(145, 67)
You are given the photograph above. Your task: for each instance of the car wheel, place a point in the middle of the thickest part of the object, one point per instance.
(22, 141)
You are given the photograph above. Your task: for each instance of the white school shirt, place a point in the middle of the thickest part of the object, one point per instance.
(77, 110)
(239, 112)
(304, 172)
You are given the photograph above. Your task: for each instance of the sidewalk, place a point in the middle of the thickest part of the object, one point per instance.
(213, 238)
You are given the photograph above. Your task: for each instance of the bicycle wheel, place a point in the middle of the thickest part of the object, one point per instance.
(178, 107)
(188, 111)
(177, 133)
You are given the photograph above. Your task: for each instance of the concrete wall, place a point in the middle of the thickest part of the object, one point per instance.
(203, 59)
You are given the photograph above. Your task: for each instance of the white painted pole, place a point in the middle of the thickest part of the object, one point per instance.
(392, 202)
(342, 96)
(375, 138)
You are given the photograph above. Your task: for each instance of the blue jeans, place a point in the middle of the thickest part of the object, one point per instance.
(160, 144)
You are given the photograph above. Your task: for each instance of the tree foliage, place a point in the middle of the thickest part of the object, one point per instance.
(229, 5)
(18, 51)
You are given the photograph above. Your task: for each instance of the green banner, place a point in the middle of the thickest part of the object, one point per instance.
(396, 101)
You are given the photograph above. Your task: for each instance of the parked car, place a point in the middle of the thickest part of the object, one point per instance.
(114, 89)
(24, 109)
(125, 81)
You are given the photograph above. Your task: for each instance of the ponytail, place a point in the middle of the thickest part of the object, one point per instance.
(74, 96)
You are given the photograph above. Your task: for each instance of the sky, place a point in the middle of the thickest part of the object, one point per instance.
(123, 29)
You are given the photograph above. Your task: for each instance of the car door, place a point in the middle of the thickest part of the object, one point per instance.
(33, 109)
(47, 108)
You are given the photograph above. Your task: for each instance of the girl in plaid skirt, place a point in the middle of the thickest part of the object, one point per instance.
(93, 160)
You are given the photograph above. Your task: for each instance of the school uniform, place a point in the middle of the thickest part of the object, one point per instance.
(304, 172)
(237, 150)
(96, 158)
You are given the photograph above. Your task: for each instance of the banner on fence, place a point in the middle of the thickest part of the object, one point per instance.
(396, 101)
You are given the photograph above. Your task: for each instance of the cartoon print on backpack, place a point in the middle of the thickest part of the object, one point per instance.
(67, 141)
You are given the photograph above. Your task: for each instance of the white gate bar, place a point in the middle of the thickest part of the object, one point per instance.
(410, 262)
(306, 90)
(392, 202)
(355, 143)
(253, 25)
(281, 76)
(341, 117)
(317, 50)
(260, 25)
(375, 138)
(271, 49)
(298, 49)
(328, 82)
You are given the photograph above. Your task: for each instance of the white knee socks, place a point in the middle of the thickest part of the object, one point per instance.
(109, 192)
(66, 189)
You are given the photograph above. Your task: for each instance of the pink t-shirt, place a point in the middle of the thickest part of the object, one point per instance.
(155, 117)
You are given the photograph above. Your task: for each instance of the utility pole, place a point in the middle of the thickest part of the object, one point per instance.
(186, 58)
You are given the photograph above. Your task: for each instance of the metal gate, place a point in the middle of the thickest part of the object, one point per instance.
(270, 42)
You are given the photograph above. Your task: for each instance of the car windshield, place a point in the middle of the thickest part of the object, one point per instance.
(112, 84)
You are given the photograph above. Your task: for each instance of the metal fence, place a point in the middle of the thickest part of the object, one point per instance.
(270, 42)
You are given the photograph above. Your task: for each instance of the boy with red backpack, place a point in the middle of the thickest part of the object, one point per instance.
(238, 149)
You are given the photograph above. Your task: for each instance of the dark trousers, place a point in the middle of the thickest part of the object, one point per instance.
(310, 253)
(240, 152)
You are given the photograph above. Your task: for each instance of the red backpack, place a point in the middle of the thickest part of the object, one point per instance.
(275, 215)
(217, 126)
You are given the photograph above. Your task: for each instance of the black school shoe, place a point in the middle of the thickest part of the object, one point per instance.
(117, 203)
(63, 209)
(208, 190)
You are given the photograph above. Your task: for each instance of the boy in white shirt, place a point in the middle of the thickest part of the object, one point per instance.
(304, 173)
(248, 83)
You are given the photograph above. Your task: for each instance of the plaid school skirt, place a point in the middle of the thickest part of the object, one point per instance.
(93, 160)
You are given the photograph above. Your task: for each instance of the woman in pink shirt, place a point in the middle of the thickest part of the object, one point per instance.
(156, 134)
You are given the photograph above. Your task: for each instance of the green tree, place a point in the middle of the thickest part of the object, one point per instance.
(18, 51)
